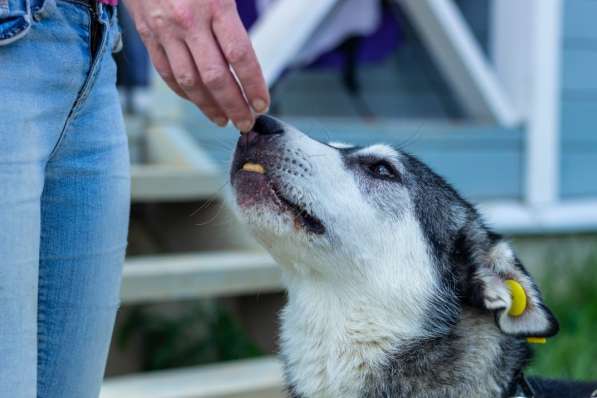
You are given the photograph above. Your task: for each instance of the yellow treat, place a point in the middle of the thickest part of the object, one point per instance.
(253, 168)
(519, 298)
(536, 340)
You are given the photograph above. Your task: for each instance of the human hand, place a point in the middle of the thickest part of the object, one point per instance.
(193, 45)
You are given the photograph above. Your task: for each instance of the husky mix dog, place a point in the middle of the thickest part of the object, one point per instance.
(396, 288)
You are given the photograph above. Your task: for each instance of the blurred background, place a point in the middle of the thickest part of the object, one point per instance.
(498, 96)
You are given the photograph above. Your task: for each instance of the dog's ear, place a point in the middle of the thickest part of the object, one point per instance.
(501, 284)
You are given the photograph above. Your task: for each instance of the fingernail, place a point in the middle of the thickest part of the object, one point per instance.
(244, 125)
(259, 105)
(221, 121)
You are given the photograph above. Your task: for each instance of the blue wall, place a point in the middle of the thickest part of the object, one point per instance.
(579, 99)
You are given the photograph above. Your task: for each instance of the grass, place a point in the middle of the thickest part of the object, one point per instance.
(196, 333)
(572, 297)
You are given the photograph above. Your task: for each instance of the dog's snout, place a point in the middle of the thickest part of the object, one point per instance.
(267, 125)
(264, 126)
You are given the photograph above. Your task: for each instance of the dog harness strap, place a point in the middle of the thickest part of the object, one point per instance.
(521, 388)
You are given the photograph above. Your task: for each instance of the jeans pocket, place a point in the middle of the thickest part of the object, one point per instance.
(15, 20)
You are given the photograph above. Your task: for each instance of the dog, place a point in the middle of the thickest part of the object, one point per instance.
(396, 288)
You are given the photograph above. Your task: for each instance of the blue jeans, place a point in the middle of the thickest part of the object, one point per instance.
(64, 202)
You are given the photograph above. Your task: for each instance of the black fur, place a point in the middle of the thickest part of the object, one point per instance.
(432, 367)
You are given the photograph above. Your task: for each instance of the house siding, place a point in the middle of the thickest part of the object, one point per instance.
(578, 126)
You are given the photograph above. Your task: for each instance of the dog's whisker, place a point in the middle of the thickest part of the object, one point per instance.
(411, 138)
(227, 146)
(226, 221)
(214, 197)
(213, 218)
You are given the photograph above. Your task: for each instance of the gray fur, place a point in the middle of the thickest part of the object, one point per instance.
(473, 360)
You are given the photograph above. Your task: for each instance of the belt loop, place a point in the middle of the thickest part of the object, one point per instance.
(42, 11)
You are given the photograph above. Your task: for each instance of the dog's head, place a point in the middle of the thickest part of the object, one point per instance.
(376, 221)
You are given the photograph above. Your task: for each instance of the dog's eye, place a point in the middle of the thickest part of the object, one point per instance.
(382, 170)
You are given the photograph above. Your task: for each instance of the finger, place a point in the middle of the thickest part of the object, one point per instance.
(156, 52)
(162, 66)
(217, 77)
(188, 79)
(238, 52)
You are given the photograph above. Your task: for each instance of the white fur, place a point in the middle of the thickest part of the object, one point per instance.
(379, 150)
(355, 292)
(340, 145)
(335, 331)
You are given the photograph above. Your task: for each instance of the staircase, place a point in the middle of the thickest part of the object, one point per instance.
(169, 167)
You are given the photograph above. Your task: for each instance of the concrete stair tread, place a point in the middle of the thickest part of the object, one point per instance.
(195, 275)
(253, 378)
(169, 165)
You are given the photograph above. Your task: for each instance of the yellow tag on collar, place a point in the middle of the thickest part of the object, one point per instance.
(519, 305)
(519, 298)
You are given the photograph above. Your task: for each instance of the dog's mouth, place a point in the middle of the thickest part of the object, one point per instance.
(253, 184)
(302, 218)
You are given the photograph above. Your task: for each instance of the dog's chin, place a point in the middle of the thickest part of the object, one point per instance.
(264, 206)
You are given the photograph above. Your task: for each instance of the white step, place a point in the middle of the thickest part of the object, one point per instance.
(254, 378)
(176, 168)
(206, 274)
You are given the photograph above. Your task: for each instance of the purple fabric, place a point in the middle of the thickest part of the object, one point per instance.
(373, 48)
(247, 11)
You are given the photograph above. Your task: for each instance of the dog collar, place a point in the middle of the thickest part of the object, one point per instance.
(521, 388)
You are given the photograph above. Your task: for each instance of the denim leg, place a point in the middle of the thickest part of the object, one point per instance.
(21, 180)
(40, 76)
(64, 196)
(84, 218)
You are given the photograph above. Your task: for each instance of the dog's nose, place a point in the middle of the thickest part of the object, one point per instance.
(264, 125)
(267, 125)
